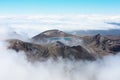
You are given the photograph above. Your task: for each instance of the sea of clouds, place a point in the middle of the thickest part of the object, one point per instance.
(32, 25)
(14, 66)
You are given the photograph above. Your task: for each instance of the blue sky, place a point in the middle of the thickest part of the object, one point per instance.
(33, 7)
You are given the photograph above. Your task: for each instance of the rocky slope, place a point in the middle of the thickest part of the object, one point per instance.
(102, 45)
(94, 46)
(54, 50)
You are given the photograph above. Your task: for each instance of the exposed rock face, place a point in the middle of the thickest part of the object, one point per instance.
(95, 46)
(55, 50)
(102, 45)
(32, 51)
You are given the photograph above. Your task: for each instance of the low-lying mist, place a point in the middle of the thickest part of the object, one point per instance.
(15, 66)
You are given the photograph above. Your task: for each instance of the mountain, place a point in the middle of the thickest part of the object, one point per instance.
(114, 23)
(42, 52)
(94, 32)
(102, 45)
(51, 34)
(92, 47)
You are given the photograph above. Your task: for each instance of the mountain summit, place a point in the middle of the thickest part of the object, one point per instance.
(51, 34)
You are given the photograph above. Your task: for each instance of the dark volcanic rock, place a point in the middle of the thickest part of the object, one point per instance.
(32, 51)
(102, 45)
(54, 50)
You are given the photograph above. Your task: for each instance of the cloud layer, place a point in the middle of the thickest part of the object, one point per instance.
(14, 66)
(39, 23)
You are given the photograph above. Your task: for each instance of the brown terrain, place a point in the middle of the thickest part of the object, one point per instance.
(95, 46)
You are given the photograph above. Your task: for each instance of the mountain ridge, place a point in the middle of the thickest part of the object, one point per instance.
(95, 46)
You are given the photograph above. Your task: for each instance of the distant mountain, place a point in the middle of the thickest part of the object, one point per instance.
(93, 32)
(114, 23)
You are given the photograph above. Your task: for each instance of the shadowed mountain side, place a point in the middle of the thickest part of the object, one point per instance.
(102, 45)
(42, 52)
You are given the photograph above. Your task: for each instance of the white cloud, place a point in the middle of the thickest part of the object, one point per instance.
(14, 66)
(39, 23)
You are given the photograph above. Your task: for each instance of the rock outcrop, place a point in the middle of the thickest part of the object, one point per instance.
(102, 45)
